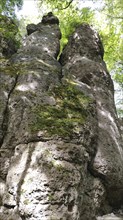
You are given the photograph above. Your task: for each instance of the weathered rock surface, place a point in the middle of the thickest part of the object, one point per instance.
(84, 64)
(61, 148)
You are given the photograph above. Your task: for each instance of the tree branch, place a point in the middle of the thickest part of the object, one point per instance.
(115, 17)
(67, 5)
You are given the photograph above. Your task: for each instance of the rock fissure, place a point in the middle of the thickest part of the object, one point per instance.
(4, 124)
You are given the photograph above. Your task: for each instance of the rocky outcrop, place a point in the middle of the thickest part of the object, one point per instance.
(84, 63)
(61, 147)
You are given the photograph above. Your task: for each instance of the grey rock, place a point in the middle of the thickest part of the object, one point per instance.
(110, 216)
(47, 20)
(61, 146)
(82, 60)
(31, 28)
(85, 42)
(50, 19)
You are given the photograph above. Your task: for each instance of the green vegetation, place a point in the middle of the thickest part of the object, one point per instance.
(69, 16)
(67, 116)
(9, 35)
(7, 7)
(9, 31)
(119, 78)
(26, 202)
(106, 18)
(8, 69)
(50, 197)
(7, 27)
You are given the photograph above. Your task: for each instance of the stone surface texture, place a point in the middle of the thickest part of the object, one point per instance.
(61, 155)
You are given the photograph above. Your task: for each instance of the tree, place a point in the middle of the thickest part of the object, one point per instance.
(9, 33)
(7, 7)
(113, 11)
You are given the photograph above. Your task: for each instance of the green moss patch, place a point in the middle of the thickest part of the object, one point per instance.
(8, 30)
(66, 116)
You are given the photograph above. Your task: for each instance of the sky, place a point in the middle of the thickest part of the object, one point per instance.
(31, 14)
(29, 7)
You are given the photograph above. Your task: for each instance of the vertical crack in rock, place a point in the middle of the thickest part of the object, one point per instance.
(23, 174)
(4, 124)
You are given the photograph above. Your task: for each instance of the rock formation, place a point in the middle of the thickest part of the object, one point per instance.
(61, 145)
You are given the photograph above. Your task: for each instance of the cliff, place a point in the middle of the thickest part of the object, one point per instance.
(61, 145)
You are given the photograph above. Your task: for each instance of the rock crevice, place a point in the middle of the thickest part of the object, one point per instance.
(5, 113)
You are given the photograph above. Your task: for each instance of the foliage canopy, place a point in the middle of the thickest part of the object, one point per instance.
(7, 7)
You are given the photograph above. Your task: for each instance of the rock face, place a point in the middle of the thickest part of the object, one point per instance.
(61, 147)
(85, 65)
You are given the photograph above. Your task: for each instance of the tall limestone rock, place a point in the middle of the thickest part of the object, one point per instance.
(61, 148)
(82, 61)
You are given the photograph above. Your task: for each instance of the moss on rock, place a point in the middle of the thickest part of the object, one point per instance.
(67, 116)
(8, 36)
